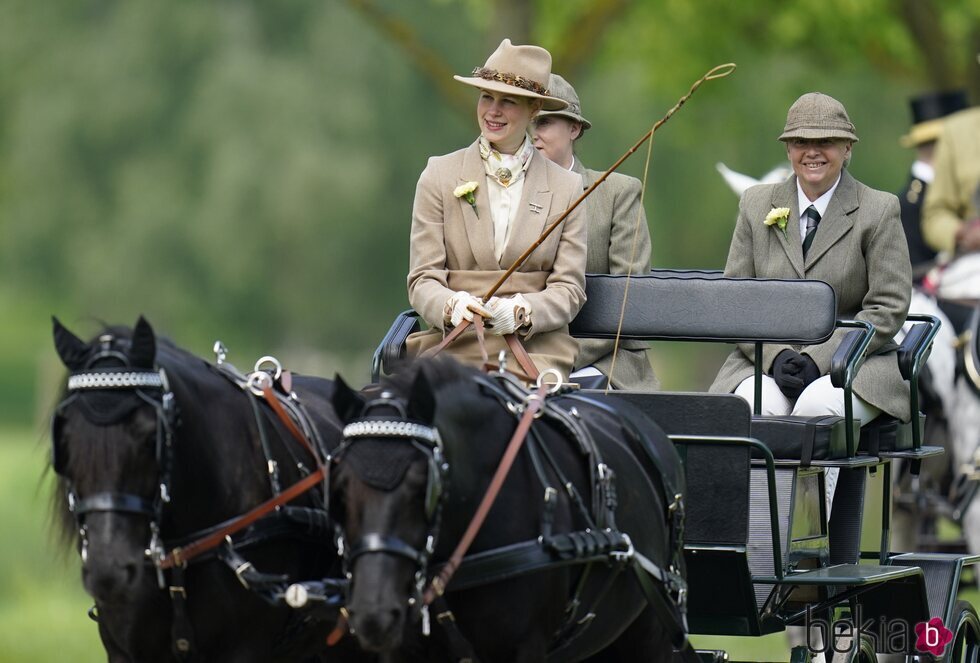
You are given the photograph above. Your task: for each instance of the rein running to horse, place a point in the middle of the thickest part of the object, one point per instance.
(527, 365)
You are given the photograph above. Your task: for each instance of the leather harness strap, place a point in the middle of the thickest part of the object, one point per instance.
(273, 401)
(180, 556)
(523, 358)
(480, 339)
(447, 339)
(513, 342)
(440, 581)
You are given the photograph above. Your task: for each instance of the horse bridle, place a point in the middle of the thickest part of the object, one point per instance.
(141, 382)
(426, 440)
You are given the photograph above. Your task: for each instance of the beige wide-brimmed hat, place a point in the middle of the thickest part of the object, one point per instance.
(520, 70)
(562, 89)
(816, 115)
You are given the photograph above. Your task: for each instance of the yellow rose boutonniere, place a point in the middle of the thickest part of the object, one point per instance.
(465, 191)
(778, 217)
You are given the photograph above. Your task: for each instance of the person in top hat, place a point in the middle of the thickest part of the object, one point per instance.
(927, 111)
(951, 215)
(478, 209)
(618, 239)
(823, 224)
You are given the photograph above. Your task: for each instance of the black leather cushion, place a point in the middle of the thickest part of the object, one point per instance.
(802, 438)
(886, 433)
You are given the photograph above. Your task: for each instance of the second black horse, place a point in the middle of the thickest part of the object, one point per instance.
(579, 558)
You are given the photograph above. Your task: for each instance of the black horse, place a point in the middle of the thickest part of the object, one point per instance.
(153, 446)
(551, 574)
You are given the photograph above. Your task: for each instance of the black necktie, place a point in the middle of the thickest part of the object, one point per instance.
(812, 219)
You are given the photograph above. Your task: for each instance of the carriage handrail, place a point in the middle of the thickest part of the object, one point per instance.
(911, 364)
(844, 369)
(766, 453)
(392, 345)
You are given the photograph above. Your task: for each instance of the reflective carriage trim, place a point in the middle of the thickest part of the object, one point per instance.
(392, 428)
(115, 380)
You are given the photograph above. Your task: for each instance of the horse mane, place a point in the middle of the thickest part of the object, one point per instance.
(445, 375)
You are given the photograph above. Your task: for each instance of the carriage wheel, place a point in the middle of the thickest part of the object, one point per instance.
(966, 641)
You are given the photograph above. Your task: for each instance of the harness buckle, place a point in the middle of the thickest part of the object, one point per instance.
(220, 352)
(553, 386)
(240, 572)
(623, 556)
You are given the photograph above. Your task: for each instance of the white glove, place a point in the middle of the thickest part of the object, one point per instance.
(509, 314)
(462, 306)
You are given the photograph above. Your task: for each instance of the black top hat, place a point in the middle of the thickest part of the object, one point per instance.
(927, 110)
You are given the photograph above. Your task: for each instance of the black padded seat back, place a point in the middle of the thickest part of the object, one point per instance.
(692, 413)
(707, 308)
(663, 272)
(717, 476)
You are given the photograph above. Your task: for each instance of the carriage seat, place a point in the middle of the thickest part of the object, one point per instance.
(710, 307)
(704, 305)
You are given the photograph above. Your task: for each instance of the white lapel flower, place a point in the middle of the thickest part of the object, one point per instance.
(465, 191)
(778, 217)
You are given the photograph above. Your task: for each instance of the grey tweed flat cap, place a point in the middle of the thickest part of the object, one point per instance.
(816, 115)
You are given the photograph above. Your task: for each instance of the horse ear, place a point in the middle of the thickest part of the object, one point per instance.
(422, 403)
(71, 349)
(347, 403)
(143, 349)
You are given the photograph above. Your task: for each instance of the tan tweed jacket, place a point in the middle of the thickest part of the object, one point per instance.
(860, 250)
(452, 249)
(612, 219)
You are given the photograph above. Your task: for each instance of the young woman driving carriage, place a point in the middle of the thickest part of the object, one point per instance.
(477, 209)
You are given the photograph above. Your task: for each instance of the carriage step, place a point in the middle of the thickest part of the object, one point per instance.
(943, 573)
(712, 655)
(843, 574)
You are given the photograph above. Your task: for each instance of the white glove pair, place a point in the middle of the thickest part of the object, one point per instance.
(504, 315)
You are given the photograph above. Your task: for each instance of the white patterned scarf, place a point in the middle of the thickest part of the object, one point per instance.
(506, 169)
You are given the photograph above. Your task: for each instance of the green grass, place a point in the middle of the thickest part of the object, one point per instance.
(42, 605)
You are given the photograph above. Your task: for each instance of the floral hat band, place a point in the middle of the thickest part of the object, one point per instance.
(510, 79)
(521, 70)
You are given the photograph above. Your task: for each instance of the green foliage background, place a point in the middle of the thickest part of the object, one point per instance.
(244, 170)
